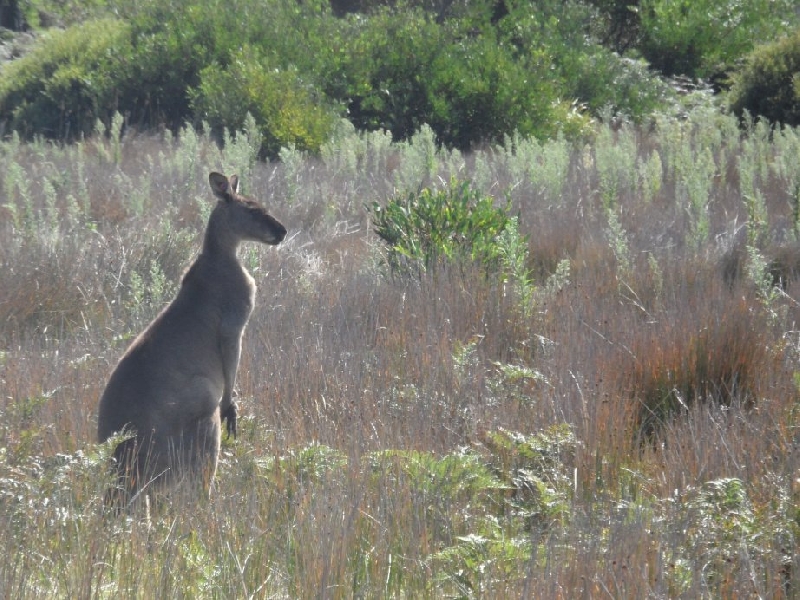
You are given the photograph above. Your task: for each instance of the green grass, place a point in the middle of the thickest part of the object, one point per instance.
(616, 418)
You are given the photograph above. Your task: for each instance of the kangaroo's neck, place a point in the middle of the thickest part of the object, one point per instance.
(219, 243)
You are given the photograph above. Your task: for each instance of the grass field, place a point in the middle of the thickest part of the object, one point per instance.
(613, 417)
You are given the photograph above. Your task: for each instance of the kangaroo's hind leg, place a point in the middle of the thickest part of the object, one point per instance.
(195, 461)
(209, 441)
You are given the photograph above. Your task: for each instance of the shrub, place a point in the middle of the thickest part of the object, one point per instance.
(287, 110)
(68, 81)
(618, 23)
(454, 223)
(382, 71)
(145, 63)
(704, 38)
(478, 92)
(471, 81)
(768, 85)
(603, 80)
(88, 72)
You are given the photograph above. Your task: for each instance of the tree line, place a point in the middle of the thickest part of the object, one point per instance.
(475, 71)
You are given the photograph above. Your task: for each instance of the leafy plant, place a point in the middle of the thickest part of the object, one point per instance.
(425, 227)
(512, 248)
(445, 479)
(722, 524)
(537, 468)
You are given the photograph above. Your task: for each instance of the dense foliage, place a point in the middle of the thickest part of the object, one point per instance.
(286, 110)
(706, 37)
(474, 71)
(769, 83)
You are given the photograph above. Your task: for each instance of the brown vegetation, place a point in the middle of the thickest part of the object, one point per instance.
(400, 435)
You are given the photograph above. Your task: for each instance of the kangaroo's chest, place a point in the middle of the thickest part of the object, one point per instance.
(236, 303)
(225, 295)
(234, 315)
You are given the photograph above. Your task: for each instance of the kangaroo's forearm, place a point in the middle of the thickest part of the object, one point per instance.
(231, 350)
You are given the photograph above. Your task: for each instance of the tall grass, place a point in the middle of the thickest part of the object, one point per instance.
(623, 424)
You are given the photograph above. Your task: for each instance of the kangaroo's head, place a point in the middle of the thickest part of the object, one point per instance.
(240, 219)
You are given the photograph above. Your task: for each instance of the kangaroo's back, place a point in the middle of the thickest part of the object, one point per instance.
(175, 383)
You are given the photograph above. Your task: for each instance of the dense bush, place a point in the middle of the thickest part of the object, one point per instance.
(603, 80)
(287, 111)
(705, 38)
(67, 81)
(768, 85)
(477, 78)
(618, 23)
(475, 72)
(86, 72)
(153, 60)
(479, 91)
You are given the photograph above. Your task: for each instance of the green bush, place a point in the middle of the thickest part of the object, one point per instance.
(381, 69)
(617, 25)
(68, 80)
(706, 37)
(475, 72)
(602, 79)
(425, 227)
(59, 13)
(287, 110)
(478, 92)
(768, 85)
(472, 81)
(145, 62)
(74, 77)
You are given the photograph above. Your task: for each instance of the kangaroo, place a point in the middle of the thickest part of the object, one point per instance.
(174, 386)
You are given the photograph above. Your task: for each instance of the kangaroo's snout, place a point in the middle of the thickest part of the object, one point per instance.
(279, 234)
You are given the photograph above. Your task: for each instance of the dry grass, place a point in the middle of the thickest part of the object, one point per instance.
(630, 434)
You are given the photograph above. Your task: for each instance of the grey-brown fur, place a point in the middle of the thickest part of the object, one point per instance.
(174, 386)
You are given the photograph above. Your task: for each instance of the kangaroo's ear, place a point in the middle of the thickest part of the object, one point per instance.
(234, 181)
(220, 185)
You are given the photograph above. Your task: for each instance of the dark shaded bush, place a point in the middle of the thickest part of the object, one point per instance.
(768, 85)
(781, 264)
(619, 25)
(10, 15)
(717, 358)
